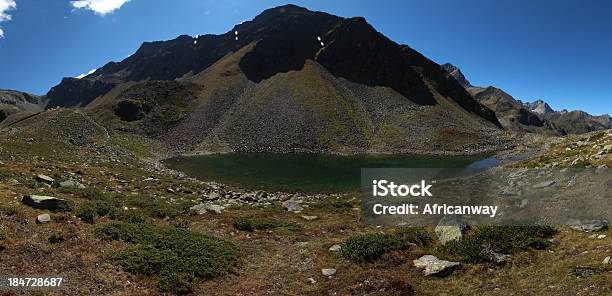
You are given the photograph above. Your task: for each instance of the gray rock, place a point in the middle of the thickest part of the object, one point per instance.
(43, 218)
(335, 248)
(45, 179)
(72, 184)
(450, 228)
(204, 207)
(45, 202)
(606, 260)
(310, 218)
(312, 281)
(293, 206)
(328, 271)
(544, 184)
(588, 225)
(213, 196)
(494, 256)
(434, 266)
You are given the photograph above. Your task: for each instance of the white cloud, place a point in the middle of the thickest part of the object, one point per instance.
(85, 74)
(5, 6)
(100, 7)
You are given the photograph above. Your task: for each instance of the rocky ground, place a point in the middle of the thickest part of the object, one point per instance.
(288, 244)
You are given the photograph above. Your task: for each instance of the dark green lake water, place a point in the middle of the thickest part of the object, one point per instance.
(304, 172)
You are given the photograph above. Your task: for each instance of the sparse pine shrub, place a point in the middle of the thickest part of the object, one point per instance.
(56, 238)
(336, 205)
(181, 223)
(91, 193)
(87, 212)
(164, 210)
(178, 283)
(503, 239)
(65, 207)
(178, 256)
(251, 224)
(5, 175)
(103, 207)
(145, 259)
(130, 216)
(417, 236)
(10, 209)
(371, 246)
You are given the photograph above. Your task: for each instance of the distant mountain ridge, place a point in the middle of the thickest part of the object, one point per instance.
(12, 102)
(536, 116)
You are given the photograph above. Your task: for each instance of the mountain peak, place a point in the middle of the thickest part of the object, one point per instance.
(457, 74)
(539, 107)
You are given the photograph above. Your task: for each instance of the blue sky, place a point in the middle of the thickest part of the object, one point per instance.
(559, 51)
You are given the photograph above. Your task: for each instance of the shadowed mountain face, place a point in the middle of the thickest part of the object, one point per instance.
(289, 80)
(12, 102)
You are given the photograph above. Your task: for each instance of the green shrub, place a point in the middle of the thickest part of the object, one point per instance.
(503, 239)
(250, 224)
(103, 207)
(178, 283)
(10, 209)
(145, 259)
(371, 246)
(178, 256)
(130, 216)
(163, 210)
(157, 208)
(91, 193)
(336, 205)
(65, 207)
(87, 212)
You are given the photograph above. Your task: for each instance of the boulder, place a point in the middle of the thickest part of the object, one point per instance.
(45, 202)
(450, 228)
(293, 206)
(43, 218)
(72, 184)
(310, 218)
(588, 225)
(335, 248)
(328, 271)
(204, 207)
(45, 179)
(434, 266)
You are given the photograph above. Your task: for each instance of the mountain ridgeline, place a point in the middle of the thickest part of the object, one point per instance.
(290, 80)
(13, 102)
(536, 117)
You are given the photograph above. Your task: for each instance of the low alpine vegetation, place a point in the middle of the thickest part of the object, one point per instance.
(177, 256)
(503, 239)
(251, 224)
(371, 246)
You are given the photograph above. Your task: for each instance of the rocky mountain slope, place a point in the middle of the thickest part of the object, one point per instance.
(289, 80)
(12, 102)
(536, 116)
